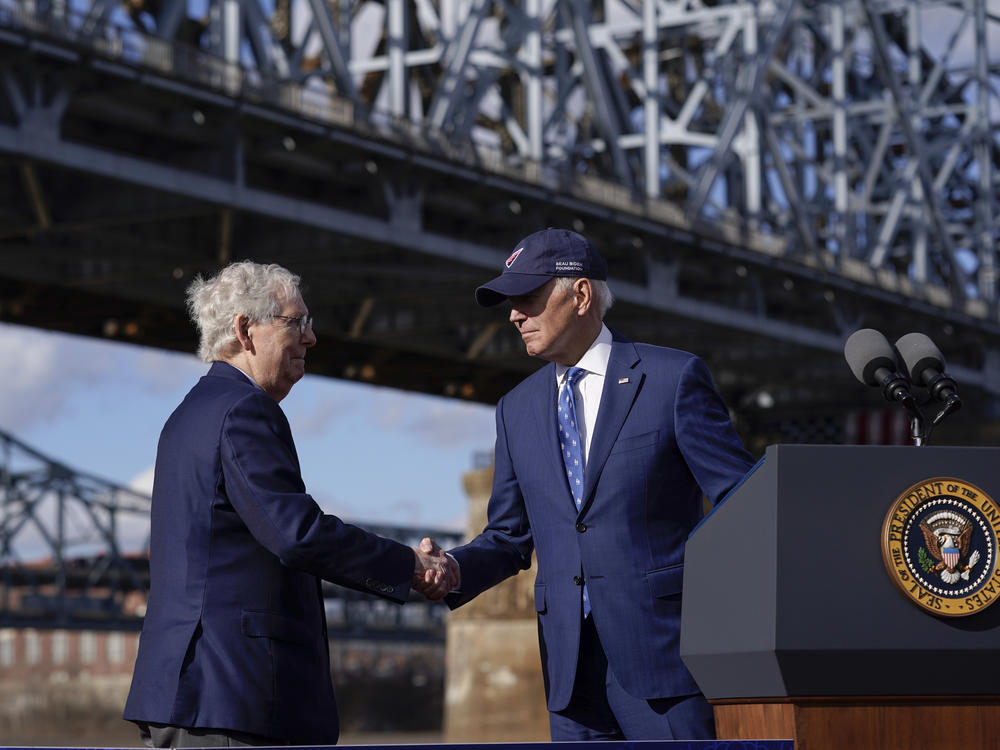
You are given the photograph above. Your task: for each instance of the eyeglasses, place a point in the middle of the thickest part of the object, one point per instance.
(303, 322)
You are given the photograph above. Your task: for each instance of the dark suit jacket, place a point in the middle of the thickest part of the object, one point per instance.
(235, 631)
(662, 437)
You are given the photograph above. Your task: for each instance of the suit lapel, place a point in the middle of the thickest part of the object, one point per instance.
(543, 405)
(621, 385)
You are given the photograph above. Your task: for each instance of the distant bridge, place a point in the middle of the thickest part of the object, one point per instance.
(73, 555)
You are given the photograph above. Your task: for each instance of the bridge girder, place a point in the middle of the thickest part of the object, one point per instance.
(764, 177)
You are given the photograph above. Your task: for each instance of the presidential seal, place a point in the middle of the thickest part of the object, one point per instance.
(939, 544)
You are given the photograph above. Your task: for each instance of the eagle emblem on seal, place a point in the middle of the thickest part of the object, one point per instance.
(948, 536)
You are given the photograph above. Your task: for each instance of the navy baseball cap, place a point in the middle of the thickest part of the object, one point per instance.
(539, 257)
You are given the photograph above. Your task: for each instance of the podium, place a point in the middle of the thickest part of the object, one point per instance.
(794, 628)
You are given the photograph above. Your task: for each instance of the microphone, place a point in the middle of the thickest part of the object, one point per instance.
(925, 366)
(873, 362)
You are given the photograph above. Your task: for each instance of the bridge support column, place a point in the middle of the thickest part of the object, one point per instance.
(493, 676)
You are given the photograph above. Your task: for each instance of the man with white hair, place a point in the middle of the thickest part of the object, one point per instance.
(234, 643)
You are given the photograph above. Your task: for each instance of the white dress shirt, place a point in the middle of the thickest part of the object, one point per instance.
(589, 387)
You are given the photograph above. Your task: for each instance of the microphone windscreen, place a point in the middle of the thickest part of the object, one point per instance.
(918, 353)
(866, 352)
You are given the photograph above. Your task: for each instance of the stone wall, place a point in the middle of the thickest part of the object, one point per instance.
(493, 678)
(65, 687)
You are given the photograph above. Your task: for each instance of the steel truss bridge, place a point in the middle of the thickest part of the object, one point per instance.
(74, 554)
(764, 176)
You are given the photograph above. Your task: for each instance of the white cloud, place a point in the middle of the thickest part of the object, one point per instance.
(440, 421)
(309, 418)
(402, 512)
(143, 482)
(454, 423)
(43, 371)
(133, 532)
(458, 522)
(167, 372)
(391, 408)
(436, 420)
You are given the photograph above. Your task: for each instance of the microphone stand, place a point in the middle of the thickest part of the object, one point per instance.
(895, 388)
(920, 428)
(917, 430)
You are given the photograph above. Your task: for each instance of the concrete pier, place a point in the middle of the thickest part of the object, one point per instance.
(493, 677)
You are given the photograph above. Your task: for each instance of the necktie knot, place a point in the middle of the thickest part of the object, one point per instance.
(573, 375)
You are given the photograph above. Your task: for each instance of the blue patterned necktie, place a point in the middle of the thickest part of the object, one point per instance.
(572, 448)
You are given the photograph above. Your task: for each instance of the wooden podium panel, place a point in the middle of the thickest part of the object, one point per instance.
(865, 723)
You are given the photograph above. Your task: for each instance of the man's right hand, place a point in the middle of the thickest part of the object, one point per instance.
(435, 573)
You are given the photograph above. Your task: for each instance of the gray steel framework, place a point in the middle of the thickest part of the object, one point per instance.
(73, 554)
(61, 531)
(765, 176)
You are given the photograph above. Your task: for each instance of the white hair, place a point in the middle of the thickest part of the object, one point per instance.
(603, 298)
(252, 289)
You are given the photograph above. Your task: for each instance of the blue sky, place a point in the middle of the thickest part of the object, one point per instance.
(367, 453)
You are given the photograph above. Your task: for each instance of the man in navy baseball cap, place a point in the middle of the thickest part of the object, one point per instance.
(601, 461)
(539, 257)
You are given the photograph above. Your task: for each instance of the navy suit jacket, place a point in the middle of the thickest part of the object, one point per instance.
(662, 437)
(235, 631)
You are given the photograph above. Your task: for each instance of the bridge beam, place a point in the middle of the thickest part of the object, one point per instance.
(778, 183)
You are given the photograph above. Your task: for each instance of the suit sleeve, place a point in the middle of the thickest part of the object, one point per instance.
(705, 435)
(505, 545)
(260, 470)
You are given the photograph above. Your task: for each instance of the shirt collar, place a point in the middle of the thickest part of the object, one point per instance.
(240, 372)
(595, 359)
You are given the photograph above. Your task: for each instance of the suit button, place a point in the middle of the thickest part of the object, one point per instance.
(578, 580)
(581, 527)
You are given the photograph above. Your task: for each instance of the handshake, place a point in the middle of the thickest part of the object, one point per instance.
(434, 573)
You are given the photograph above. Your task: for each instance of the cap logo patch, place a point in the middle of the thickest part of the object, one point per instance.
(513, 257)
(568, 266)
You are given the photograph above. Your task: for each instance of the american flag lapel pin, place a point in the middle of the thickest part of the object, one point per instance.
(622, 381)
